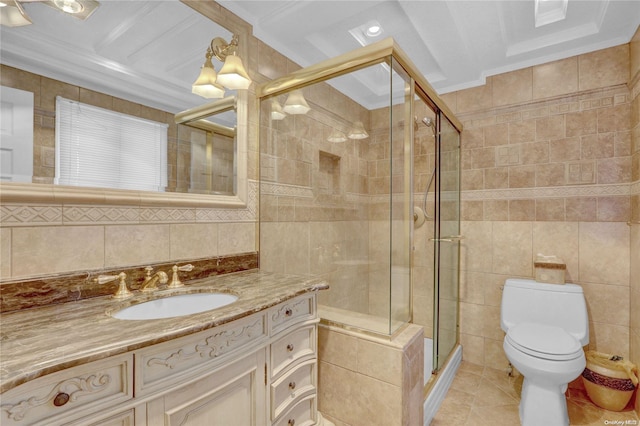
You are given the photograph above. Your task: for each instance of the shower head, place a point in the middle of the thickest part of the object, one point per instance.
(428, 122)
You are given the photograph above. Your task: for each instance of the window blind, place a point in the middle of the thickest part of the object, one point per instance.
(103, 148)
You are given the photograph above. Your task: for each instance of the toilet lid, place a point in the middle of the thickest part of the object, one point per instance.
(544, 341)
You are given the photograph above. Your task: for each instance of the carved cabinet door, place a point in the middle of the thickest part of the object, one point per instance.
(234, 395)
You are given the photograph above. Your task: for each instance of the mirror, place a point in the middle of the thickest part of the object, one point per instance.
(139, 58)
(207, 146)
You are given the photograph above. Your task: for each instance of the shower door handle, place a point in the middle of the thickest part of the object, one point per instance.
(448, 239)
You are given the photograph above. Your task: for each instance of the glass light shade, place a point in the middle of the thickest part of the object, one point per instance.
(69, 6)
(337, 136)
(233, 75)
(296, 104)
(276, 111)
(358, 131)
(205, 85)
(12, 14)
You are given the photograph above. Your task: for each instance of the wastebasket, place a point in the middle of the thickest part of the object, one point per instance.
(609, 380)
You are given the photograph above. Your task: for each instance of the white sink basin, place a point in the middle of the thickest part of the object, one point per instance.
(175, 306)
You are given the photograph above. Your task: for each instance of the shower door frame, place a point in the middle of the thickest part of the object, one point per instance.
(449, 239)
(361, 58)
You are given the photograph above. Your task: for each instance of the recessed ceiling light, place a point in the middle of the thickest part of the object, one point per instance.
(367, 33)
(373, 29)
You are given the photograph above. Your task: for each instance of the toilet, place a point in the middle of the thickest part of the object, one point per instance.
(546, 326)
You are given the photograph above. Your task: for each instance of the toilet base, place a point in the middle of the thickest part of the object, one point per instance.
(543, 405)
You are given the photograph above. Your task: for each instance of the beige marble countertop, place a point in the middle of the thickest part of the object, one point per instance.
(39, 341)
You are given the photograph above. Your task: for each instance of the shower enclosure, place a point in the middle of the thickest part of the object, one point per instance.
(353, 150)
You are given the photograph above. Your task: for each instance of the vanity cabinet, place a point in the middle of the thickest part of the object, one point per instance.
(233, 395)
(294, 364)
(260, 369)
(69, 394)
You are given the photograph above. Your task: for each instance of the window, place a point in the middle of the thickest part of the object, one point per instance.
(102, 148)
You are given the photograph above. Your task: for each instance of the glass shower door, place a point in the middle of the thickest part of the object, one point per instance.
(446, 241)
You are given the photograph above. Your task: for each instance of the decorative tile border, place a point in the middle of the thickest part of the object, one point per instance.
(280, 189)
(17, 215)
(489, 194)
(550, 192)
(63, 214)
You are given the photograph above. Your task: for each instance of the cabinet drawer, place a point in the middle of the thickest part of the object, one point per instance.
(292, 312)
(165, 364)
(126, 418)
(301, 414)
(69, 394)
(300, 381)
(292, 347)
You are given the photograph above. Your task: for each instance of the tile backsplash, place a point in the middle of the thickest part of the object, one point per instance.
(61, 288)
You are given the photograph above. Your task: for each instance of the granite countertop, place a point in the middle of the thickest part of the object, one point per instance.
(39, 341)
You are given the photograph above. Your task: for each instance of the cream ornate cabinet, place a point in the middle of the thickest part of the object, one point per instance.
(258, 370)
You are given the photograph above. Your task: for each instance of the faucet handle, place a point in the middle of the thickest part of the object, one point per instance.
(123, 292)
(175, 281)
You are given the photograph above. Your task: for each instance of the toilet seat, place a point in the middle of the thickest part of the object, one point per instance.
(544, 341)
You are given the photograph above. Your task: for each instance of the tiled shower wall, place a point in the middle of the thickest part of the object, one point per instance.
(313, 198)
(547, 168)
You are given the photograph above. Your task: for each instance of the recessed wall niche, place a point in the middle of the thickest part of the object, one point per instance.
(328, 173)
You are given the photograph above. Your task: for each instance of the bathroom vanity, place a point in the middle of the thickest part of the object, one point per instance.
(253, 362)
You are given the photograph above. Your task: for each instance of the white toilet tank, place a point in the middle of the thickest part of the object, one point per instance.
(560, 305)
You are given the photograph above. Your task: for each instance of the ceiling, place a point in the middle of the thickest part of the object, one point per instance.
(146, 51)
(150, 51)
(456, 44)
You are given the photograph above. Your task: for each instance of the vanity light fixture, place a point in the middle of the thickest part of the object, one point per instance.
(12, 14)
(69, 6)
(233, 76)
(337, 136)
(80, 9)
(276, 110)
(296, 103)
(358, 131)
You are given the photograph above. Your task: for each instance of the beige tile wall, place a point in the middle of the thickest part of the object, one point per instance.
(358, 372)
(546, 168)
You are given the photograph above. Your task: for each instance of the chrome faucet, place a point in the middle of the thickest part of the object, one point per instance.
(151, 282)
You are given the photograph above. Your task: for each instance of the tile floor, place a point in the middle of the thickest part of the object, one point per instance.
(482, 396)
